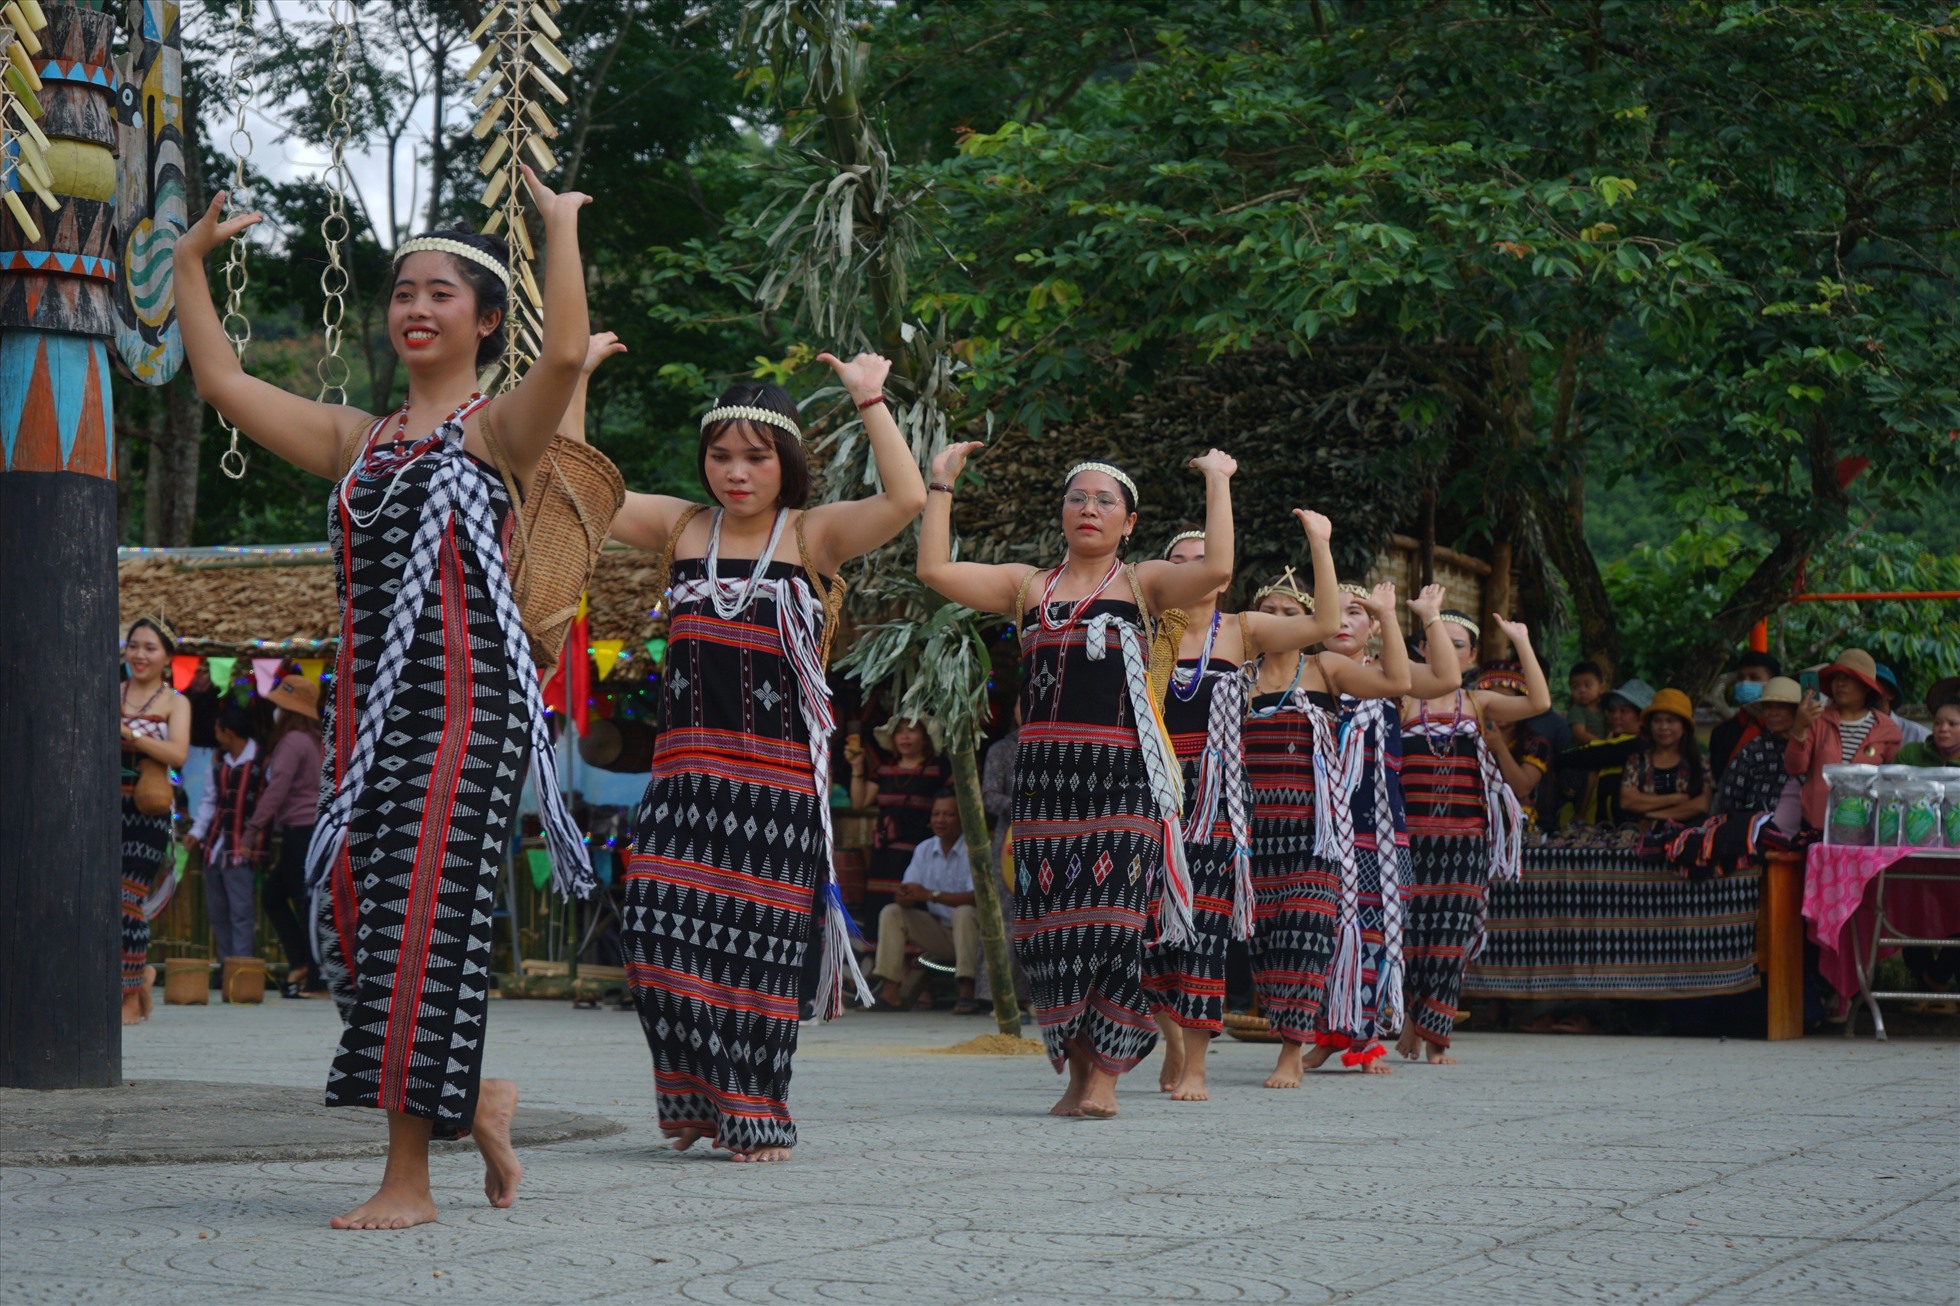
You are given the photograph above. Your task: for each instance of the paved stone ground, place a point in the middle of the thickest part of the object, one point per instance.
(1596, 1169)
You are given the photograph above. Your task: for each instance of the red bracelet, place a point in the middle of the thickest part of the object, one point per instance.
(872, 402)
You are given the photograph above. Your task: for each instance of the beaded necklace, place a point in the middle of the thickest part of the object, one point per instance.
(373, 461)
(732, 598)
(1081, 605)
(1286, 695)
(1197, 676)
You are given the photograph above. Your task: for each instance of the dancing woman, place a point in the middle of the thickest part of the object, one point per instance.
(435, 701)
(1204, 708)
(1305, 771)
(1097, 809)
(1371, 844)
(156, 727)
(733, 837)
(1465, 826)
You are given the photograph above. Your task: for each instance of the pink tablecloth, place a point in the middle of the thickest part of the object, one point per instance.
(1837, 906)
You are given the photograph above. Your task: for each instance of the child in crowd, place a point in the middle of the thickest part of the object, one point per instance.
(1587, 720)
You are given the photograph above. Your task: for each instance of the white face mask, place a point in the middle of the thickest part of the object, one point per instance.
(278, 715)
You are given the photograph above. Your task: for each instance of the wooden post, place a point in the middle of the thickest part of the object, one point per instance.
(60, 302)
(1494, 645)
(1779, 943)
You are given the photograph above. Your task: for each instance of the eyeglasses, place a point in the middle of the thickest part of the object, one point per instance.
(1103, 503)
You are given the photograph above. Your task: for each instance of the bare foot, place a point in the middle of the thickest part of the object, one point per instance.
(686, 1138)
(394, 1207)
(1171, 1073)
(1410, 1044)
(1193, 1087)
(762, 1154)
(1099, 1095)
(1318, 1057)
(132, 1007)
(1287, 1073)
(148, 993)
(1378, 1066)
(1070, 1103)
(1438, 1055)
(496, 1103)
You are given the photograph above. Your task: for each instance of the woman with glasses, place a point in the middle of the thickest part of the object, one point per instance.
(1097, 809)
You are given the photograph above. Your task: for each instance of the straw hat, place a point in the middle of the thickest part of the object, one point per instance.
(1857, 664)
(934, 736)
(297, 694)
(1673, 702)
(1779, 689)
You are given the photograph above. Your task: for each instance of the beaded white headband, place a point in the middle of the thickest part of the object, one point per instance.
(1287, 586)
(1359, 591)
(1458, 619)
(443, 245)
(1179, 538)
(1114, 473)
(744, 413)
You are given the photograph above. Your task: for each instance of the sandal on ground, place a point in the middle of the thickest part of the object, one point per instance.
(967, 1007)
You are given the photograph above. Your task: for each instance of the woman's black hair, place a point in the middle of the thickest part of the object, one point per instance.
(1690, 749)
(1463, 619)
(795, 491)
(492, 296)
(142, 623)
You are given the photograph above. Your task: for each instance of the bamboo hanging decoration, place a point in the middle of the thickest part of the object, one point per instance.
(23, 146)
(518, 47)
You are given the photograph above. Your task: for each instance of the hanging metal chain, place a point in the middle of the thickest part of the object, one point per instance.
(238, 327)
(335, 279)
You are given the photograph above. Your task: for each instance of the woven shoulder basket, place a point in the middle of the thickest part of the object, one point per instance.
(561, 526)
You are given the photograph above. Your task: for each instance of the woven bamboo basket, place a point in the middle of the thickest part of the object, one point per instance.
(575, 494)
(187, 981)
(1248, 1028)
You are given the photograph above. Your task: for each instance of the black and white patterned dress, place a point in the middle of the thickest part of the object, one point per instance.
(145, 849)
(1187, 981)
(417, 798)
(730, 845)
(1088, 839)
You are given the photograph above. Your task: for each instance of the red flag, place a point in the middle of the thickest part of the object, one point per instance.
(183, 670)
(553, 688)
(578, 671)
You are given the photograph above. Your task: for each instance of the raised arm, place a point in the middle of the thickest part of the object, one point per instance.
(841, 531)
(1391, 678)
(1537, 699)
(300, 431)
(525, 419)
(982, 586)
(645, 520)
(1175, 585)
(1439, 672)
(1277, 634)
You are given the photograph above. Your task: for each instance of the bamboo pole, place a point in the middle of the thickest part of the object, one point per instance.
(986, 890)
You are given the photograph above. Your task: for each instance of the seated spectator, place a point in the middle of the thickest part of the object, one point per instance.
(1588, 721)
(1845, 727)
(932, 911)
(1942, 746)
(902, 791)
(1910, 731)
(1753, 672)
(1522, 755)
(1666, 779)
(1593, 770)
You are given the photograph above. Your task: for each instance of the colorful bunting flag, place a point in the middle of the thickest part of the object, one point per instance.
(265, 673)
(183, 670)
(606, 653)
(221, 669)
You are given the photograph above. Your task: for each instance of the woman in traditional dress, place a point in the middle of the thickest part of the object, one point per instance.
(156, 726)
(902, 791)
(1097, 809)
(1370, 842)
(436, 701)
(733, 839)
(1204, 708)
(1313, 754)
(1465, 828)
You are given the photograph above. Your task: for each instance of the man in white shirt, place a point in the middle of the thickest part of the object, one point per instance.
(933, 912)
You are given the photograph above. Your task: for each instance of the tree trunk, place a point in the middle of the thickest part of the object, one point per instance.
(170, 482)
(1563, 521)
(986, 890)
(1495, 644)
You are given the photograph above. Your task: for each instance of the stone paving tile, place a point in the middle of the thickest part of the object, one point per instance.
(1542, 1169)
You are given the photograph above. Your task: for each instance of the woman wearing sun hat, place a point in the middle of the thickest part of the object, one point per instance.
(1844, 724)
(902, 790)
(1666, 779)
(289, 800)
